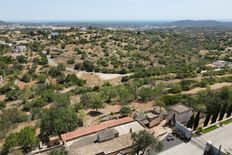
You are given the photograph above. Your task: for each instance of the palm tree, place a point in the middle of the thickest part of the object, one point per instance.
(144, 142)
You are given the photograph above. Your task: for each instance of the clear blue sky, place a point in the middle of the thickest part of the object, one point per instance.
(79, 10)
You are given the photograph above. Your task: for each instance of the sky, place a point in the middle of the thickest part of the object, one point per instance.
(114, 10)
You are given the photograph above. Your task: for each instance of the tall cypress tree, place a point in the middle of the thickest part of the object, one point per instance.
(215, 115)
(196, 121)
(207, 119)
(229, 111)
(190, 122)
(222, 113)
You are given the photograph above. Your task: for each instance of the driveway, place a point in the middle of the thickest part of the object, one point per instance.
(221, 136)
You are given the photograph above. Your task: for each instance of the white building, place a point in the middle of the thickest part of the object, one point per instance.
(20, 48)
(180, 112)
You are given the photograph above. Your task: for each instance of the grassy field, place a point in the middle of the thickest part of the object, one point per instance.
(210, 129)
(227, 121)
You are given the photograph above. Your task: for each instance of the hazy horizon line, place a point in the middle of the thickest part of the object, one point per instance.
(109, 20)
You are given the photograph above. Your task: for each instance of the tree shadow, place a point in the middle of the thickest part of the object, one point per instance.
(94, 113)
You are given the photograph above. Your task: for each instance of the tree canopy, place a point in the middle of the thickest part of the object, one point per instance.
(56, 121)
(145, 141)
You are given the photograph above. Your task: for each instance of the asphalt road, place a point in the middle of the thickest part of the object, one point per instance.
(221, 136)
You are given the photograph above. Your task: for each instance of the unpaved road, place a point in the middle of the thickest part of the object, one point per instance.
(102, 76)
(213, 87)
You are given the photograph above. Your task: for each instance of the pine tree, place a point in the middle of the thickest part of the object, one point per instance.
(190, 122)
(222, 113)
(229, 111)
(207, 119)
(196, 121)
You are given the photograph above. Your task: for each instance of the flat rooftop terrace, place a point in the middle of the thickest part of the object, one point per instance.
(90, 140)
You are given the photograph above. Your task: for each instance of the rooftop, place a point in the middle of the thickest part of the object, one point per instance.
(106, 134)
(107, 147)
(180, 108)
(151, 115)
(92, 138)
(93, 129)
(221, 136)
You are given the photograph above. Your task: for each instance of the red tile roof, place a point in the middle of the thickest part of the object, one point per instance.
(93, 129)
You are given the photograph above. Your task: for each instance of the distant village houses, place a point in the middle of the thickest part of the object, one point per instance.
(18, 49)
(220, 64)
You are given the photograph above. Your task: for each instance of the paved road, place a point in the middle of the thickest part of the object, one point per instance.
(189, 148)
(221, 136)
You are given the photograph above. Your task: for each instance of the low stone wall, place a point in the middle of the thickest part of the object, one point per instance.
(184, 130)
(44, 150)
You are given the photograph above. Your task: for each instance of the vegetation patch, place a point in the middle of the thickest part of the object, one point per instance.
(227, 121)
(210, 129)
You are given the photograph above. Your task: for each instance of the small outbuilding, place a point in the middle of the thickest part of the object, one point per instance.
(107, 134)
(179, 112)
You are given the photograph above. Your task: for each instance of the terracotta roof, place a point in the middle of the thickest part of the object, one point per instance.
(93, 129)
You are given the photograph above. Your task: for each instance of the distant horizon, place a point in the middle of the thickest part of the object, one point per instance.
(114, 10)
(111, 21)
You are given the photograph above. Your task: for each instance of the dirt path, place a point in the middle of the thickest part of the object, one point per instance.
(213, 87)
(198, 79)
(104, 76)
(92, 78)
(140, 107)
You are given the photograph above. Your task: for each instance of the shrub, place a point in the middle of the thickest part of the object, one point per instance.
(78, 66)
(70, 61)
(125, 111)
(26, 77)
(125, 78)
(88, 65)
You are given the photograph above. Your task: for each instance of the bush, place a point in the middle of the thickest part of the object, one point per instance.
(13, 94)
(171, 99)
(78, 66)
(125, 78)
(55, 71)
(88, 66)
(146, 94)
(125, 111)
(21, 59)
(72, 79)
(26, 77)
(175, 89)
(2, 105)
(26, 139)
(92, 100)
(70, 61)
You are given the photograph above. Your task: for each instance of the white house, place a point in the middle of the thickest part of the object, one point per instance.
(180, 112)
(20, 48)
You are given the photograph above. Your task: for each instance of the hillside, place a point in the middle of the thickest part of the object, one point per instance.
(199, 23)
(2, 22)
